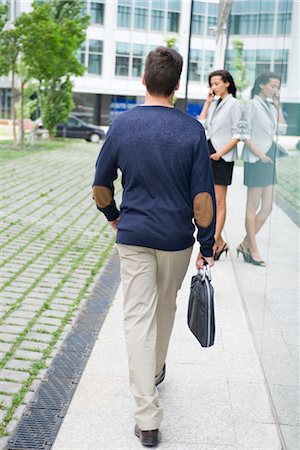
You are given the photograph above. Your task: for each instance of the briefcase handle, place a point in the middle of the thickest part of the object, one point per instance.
(205, 272)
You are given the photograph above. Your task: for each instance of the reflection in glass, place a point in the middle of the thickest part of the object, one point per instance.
(262, 119)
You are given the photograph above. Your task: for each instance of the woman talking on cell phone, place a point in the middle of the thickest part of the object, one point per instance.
(263, 119)
(221, 116)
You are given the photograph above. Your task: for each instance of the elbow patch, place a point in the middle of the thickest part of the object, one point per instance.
(203, 209)
(102, 196)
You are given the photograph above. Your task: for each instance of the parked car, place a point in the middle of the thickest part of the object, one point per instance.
(77, 128)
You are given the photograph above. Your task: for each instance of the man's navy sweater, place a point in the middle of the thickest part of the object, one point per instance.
(163, 156)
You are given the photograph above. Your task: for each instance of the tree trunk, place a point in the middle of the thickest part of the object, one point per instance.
(13, 97)
(22, 115)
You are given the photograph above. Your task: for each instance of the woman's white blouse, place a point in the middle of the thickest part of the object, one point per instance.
(260, 126)
(223, 123)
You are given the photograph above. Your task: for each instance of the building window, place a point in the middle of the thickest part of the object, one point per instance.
(204, 18)
(281, 64)
(195, 65)
(5, 103)
(97, 12)
(198, 17)
(138, 56)
(155, 15)
(122, 59)
(95, 57)
(90, 56)
(201, 64)
(81, 54)
(173, 22)
(130, 59)
(124, 16)
(141, 18)
(284, 23)
(266, 23)
(211, 25)
(198, 24)
(208, 64)
(157, 20)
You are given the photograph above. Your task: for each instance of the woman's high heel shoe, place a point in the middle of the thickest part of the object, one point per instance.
(217, 254)
(255, 262)
(245, 253)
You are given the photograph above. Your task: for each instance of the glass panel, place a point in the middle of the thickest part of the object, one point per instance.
(124, 16)
(174, 5)
(137, 65)
(266, 22)
(198, 24)
(173, 22)
(263, 206)
(157, 20)
(123, 48)
(211, 25)
(284, 22)
(213, 9)
(141, 18)
(122, 66)
(158, 4)
(97, 12)
(95, 46)
(138, 49)
(199, 7)
(142, 3)
(95, 64)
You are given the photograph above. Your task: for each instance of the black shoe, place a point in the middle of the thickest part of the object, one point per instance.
(161, 376)
(148, 438)
(218, 252)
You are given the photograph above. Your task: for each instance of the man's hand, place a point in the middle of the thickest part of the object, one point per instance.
(114, 223)
(201, 259)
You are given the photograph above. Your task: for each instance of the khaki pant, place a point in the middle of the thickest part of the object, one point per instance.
(150, 279)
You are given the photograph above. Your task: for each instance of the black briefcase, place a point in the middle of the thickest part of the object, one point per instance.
(201, 313)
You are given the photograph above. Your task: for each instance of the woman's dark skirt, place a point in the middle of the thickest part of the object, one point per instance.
(261, 174)
(222, 170)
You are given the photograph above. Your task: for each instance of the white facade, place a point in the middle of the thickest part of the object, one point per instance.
(109, 31)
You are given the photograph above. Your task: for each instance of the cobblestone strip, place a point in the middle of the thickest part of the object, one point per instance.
(50, 264)
(43, 190)
(40, 234)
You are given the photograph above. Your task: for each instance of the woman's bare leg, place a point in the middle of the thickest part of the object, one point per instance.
(220, 192)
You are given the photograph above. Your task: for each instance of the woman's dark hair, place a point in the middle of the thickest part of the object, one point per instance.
(263, 78)
(226, 77)
(162, 71)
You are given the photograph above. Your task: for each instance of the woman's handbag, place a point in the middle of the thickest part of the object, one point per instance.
(201, 314)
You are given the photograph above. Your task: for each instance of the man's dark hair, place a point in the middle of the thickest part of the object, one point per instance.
(263, 78)
(162, 71)
(226, 77)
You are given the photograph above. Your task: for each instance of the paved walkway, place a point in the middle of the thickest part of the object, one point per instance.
(53, 243)
(214, 399)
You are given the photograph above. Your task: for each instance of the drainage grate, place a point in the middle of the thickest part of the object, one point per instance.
(41, 421)
(37, 430)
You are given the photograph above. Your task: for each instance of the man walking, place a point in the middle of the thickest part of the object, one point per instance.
(167, 182)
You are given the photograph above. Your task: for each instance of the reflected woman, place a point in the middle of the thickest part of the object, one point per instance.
(263, 119)
(222, 119)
